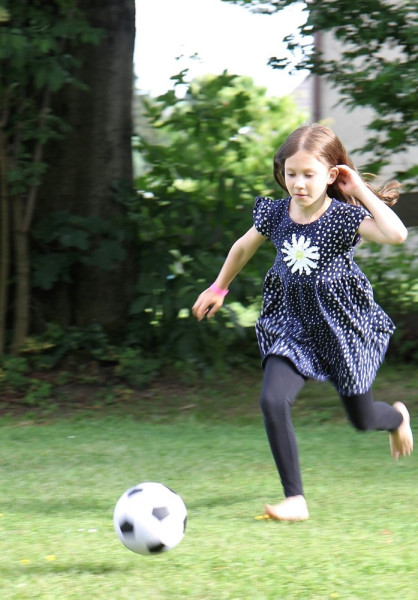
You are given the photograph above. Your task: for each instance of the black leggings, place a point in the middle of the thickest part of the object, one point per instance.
(281, 384)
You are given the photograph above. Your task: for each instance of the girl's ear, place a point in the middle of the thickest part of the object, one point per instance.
(333, 174)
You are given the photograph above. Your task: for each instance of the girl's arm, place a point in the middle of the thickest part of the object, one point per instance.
(209, 302)
(385, 227)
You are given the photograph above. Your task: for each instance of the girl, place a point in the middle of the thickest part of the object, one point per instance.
(319, 319)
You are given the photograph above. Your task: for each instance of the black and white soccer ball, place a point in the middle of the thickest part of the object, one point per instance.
(150, 518)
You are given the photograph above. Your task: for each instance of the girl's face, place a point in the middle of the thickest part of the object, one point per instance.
(308, 178)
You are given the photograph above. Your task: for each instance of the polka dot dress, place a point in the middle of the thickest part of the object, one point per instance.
(318, 307)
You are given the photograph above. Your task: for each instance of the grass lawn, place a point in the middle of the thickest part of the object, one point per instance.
(61, 475)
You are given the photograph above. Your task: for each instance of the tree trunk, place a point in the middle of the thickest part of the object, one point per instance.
(22, 275)
(4, 243)
(86, 165)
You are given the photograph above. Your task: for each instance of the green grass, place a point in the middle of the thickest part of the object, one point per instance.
(62, 475)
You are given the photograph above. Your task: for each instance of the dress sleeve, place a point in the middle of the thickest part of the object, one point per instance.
(356, 216)
(263, 208)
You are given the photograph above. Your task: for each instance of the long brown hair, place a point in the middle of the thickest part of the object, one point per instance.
(327, 147)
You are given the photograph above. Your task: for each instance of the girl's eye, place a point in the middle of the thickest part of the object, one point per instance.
(307, 175)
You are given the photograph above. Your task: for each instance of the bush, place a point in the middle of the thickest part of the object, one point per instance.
(393, 272)
(207, 155)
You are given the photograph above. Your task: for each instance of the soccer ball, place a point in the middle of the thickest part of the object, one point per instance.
(150, 518)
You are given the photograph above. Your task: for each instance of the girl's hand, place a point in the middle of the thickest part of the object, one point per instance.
(385, 227)
(208, 303)
(349, 181)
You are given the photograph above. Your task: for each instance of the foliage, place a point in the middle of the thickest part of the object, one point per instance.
(377, 67)
(72, 356)
(72, 240)
(393, 271)
(210, 155)
(37, 61)
(74, 346)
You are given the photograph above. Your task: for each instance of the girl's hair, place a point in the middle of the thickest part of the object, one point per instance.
(325, 144)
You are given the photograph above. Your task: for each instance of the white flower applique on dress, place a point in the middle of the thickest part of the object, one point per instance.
(301, 256)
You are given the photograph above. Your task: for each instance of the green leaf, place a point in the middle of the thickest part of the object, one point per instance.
(106, 256)
(75, 239)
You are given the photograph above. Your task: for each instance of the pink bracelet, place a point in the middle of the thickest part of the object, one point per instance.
(218, 290)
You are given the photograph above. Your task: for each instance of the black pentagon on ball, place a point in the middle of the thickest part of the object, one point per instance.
(135, 491)
(160, 512)
(155, 548)
(126, 527)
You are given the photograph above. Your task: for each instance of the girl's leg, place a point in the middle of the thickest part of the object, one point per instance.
(281, 384)
(366, 414)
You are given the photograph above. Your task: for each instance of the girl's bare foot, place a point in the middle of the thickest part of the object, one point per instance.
(401, 440)
(293, 508)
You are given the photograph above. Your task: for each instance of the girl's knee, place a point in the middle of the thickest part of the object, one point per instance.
(281, 385)
(274, 402)
(361, 424)
(360, 410)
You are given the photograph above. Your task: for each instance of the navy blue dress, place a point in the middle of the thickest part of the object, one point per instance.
(318, 306)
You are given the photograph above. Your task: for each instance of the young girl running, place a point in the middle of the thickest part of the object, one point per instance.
(319, 319)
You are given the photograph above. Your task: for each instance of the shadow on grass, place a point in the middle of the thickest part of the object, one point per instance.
(214, 502)
(61, 507)
(59, 568)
